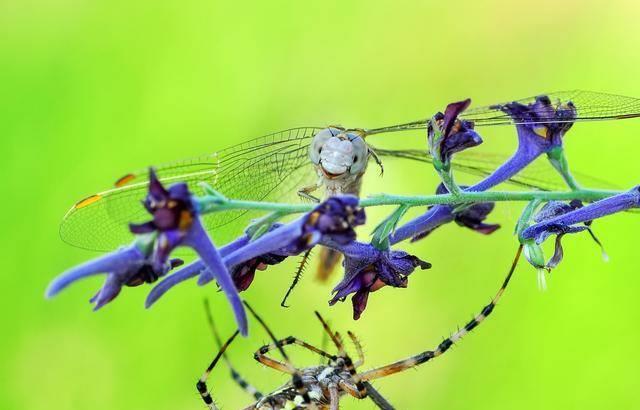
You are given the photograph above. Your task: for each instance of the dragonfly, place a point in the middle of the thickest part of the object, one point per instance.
(302, 160)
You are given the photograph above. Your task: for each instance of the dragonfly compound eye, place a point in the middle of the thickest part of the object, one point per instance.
(360, 155)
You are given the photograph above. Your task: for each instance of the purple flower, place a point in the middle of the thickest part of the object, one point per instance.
(559, 218)
(191, 270)
(565, 222)
(173, 215)
(554, 209)
(125, 267)
(538, 133)
(533, 252)
(244, 273)
(368, 269)
(175, 222)
(541, 122)
(471, 217)
(452, 135)
(332, 221)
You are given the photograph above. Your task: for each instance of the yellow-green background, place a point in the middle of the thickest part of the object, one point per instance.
(92, 89)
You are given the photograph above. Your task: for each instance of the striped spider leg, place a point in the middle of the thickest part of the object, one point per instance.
(295, 391)
(425, 356)
(201, 384)
(271, 401)
(300, 391)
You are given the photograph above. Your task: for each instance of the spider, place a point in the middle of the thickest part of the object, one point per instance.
(322, 386)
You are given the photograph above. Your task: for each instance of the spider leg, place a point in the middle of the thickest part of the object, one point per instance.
(349, 366)
(260, 356)
(234, 374)
(448, 342)
(328, 330)
(293, 340)
(350, 389)
(323, 343)
(201, 385)
(286, 367)
(358, 347)
(361, 391)
(334, 399)
(341, 351)
(377, 398)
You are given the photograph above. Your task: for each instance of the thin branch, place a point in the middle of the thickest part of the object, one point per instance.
(209, 204)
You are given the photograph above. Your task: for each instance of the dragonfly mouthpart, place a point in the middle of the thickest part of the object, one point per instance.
(331, 175)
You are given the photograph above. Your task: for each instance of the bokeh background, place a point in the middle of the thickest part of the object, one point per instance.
(93, 89)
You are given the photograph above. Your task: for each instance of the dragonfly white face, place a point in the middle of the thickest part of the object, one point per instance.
(340, 158)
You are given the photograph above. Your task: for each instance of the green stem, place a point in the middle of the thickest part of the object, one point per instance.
(447, 179)
(559, 161)
(209, 204)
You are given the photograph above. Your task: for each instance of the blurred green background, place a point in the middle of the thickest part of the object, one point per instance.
(93, 89)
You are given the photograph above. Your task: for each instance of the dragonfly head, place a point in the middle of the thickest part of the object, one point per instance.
(339, 153)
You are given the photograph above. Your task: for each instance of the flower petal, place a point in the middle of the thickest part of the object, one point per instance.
(156, 189)
(120, 260)
(111, 288)
(198, 239)
(191, 270)
(451, 114)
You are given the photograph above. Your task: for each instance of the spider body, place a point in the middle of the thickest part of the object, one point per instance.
(319, 381)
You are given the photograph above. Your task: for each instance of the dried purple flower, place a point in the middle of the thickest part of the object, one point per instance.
(472, 216)
(368, 269)
(244, 273)
(447, 135)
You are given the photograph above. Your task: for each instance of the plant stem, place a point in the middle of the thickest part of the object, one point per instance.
(209, 204)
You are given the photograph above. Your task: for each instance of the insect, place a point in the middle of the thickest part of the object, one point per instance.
(336, 158)
(323, 386)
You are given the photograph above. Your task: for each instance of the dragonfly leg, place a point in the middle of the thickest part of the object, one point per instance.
(296, 278)
(376, 158)
(305, 192)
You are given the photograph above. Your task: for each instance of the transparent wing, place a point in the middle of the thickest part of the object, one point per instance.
(590, 106)
(254, 170)
(538, 175)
